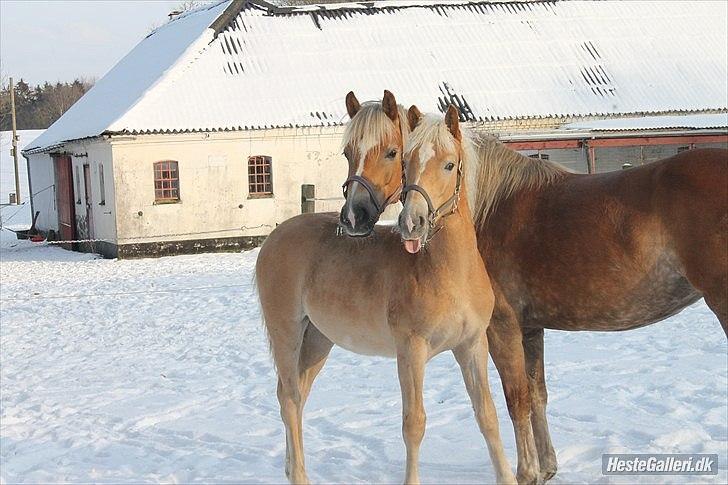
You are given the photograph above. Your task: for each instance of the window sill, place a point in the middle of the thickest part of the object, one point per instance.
(167, 202)
(260, 196)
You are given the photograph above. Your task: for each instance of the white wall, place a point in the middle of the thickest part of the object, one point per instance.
(214, 199)
(95, 153)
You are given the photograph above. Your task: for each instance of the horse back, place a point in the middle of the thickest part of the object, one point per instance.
(611, 251)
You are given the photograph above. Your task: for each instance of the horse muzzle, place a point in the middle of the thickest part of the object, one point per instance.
(414, 228)
(358, 219)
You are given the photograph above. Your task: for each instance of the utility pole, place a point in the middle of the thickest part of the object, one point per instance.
(14, 150)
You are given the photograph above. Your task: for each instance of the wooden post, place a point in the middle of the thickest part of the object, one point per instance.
(591, 157)
(308, 198)
(15, 142)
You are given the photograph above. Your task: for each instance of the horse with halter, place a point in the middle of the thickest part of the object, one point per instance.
(370, 296)
(607, 252)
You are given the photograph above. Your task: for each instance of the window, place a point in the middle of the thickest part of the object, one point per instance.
(539, 156)
(683, 148)
(259, 177)
(166, 182)
(102, 185)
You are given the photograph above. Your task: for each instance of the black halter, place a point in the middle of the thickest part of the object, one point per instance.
(372, 194)
(434, 215)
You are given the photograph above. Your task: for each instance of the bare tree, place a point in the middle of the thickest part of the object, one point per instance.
(188, 5)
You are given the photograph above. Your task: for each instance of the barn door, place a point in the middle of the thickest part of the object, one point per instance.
(65, 200)
(89, 203)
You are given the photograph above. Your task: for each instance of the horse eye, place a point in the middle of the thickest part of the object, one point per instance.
(449, 166)
(392, 153)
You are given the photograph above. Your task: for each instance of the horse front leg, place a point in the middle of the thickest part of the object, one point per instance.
(412, 353)
(473, 360)
(506, 348)
(533, 348)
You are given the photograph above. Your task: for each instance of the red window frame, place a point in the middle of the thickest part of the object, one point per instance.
(166, 181)
(260, 176)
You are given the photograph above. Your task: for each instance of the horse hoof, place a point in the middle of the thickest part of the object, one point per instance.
(528, 479)
(548, 470)
(548, 474)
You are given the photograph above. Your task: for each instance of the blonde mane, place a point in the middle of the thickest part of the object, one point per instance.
(493, 172)
(500, 172)
(371, 125)
(430, 129)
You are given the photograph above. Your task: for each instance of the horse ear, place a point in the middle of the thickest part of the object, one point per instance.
(352, 104)
(452, 120)
(413, 117)
(389, 105)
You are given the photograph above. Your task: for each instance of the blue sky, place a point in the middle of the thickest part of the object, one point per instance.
(61, 40)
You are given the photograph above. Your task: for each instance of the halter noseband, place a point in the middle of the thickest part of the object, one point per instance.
(372, 194)
(435, 215)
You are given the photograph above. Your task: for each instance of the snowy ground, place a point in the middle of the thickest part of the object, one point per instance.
(158, 370)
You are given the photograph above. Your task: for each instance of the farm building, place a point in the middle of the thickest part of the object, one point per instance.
(208, 132)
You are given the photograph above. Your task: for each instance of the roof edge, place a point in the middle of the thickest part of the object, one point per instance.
(356, 5)
(227, 16)
(562, 133)
(205, 37)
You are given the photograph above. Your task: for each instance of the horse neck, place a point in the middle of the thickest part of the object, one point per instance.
(459, 226)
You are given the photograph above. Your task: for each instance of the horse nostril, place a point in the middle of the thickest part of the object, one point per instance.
(421, 221)
(362, 214)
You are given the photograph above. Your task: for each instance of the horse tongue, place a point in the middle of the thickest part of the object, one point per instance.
(412, 245)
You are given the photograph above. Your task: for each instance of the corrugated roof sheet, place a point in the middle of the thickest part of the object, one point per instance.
(278, 67)
(690, 122)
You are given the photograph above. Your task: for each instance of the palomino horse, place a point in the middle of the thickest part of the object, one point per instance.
(369, 296)
(606, 252)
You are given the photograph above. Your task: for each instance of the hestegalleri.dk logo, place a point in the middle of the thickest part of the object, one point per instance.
(660, 464)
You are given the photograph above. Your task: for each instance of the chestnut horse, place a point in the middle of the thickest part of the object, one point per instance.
(606, 252)
(369, 296)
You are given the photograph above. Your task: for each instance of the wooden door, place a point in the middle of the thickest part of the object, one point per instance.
(64, 199)
(89, 202)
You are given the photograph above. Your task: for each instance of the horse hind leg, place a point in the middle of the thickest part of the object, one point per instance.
(293, 393)
(702, 248)
(314, 352)
(286, 334)
(716, 297)
(473, 360)
(709, 275)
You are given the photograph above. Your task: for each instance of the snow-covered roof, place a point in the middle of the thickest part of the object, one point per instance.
(701, 121)
(248, 64)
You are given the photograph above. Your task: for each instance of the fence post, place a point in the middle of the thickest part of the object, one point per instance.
(308, 196)
(592, 160)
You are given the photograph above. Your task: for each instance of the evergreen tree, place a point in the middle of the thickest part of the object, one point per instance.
(38, 107)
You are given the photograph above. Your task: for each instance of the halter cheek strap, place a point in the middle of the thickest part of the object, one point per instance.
(372, 193)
